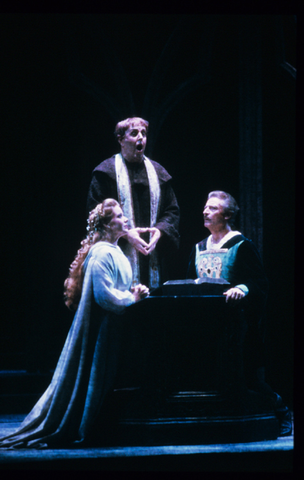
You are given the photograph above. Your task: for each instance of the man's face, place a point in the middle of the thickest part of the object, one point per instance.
(214, 217)
(133, 143)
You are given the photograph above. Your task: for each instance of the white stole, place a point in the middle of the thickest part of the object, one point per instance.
(126, 201)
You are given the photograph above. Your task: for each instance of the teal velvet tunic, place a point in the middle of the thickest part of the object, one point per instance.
(238, 261)
(241, 265)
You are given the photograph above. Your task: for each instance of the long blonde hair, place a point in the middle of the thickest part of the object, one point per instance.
(100, 216)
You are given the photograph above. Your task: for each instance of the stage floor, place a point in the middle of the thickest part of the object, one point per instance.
(275, 455)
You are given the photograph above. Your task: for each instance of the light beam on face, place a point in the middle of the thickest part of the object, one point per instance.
(134, 141)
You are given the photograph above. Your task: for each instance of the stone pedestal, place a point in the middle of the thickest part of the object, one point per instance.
(181, 380)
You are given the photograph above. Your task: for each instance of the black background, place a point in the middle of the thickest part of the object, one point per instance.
(55, 132)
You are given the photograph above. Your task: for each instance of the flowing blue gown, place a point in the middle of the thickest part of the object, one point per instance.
(87, 364)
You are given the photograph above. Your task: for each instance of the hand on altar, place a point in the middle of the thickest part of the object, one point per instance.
(234, 295)
(140, 291)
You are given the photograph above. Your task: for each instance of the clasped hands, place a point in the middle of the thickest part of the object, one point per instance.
(134, 238)
(140, 291)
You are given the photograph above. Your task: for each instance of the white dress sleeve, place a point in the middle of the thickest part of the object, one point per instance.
(109, 283)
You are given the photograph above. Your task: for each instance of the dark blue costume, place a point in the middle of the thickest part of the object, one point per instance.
(238, 262)
(241, 266)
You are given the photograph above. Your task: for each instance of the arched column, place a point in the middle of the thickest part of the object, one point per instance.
(250, 129)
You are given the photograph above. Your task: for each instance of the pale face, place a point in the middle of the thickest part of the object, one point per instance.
(118, 225)
(214, 217)
(134, 142)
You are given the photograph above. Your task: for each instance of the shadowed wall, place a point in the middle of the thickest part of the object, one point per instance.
(219, 92)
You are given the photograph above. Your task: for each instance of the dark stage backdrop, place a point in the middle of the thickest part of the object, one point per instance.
(66, 80)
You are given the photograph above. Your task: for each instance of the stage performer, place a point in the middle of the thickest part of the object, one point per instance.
(227, 254)
(144, 191)
(99, 289)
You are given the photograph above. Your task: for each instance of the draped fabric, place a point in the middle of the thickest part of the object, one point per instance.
(124, 192)
(87, 365)
(104, 185)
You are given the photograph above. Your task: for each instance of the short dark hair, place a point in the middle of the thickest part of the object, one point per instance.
(123, 126)
(230, 207)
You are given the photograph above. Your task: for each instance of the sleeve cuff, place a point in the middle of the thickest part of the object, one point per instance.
(243, 288)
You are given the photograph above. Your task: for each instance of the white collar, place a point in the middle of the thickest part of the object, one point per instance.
(216, 246)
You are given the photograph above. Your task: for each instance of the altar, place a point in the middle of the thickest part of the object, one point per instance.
(180, 378)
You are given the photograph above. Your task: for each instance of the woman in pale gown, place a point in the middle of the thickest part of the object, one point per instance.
(99, 289)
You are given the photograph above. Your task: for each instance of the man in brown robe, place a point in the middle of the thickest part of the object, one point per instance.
(143, 188)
